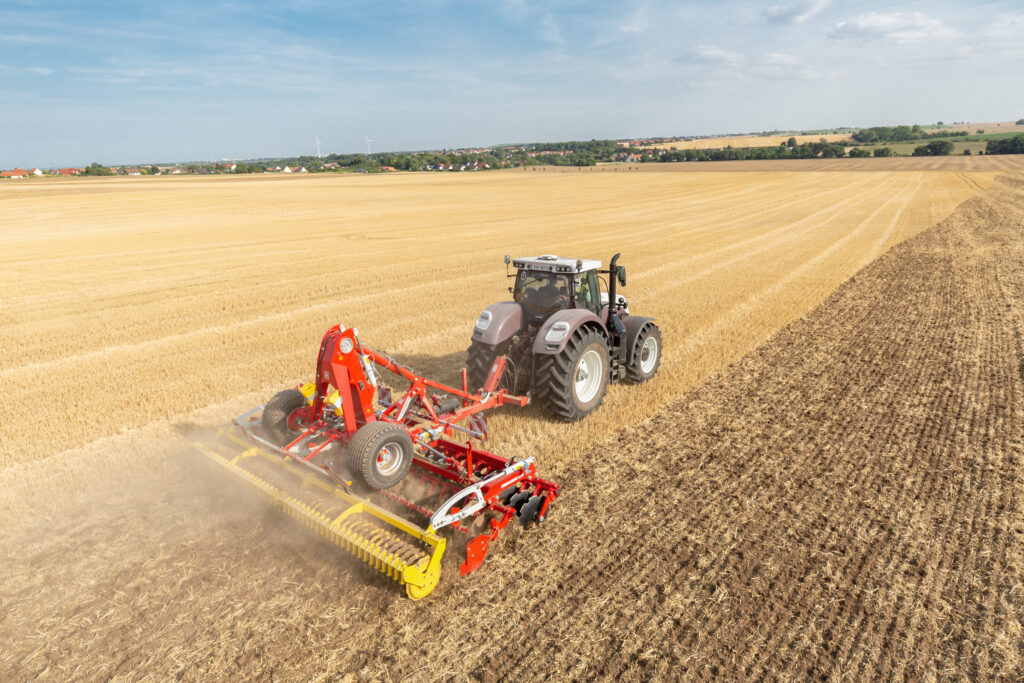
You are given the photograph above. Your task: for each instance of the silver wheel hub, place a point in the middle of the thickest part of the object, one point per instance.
(588, 376)
(648, 355)
(389, 459)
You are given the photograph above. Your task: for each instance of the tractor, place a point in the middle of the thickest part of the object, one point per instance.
(565, 335)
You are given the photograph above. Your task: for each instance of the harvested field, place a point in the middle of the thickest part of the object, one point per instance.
(990, 127)
(1006, 162)
(843, 501)
(145, 300)
(748, 141)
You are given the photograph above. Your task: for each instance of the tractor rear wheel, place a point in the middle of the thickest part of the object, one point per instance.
(284, 416)
(646, 354)
(572, 384)
(380, 453)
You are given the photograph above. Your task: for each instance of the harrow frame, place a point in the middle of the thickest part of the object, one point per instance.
(338, 403)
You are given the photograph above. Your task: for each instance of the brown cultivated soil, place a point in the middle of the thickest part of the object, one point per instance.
(844, 500)
(995, 162)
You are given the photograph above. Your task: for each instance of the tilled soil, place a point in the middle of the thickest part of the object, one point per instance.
(845, 501)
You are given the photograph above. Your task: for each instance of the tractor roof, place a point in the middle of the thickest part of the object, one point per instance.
(553, 264)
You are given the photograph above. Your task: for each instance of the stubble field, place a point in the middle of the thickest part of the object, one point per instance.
(748, 141)
(142, 309)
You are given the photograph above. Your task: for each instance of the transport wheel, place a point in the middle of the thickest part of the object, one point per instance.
(572, 384)
(380, 453)
(284, 417)
(646, 354)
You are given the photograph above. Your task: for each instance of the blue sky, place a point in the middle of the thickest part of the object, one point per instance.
(130, 82)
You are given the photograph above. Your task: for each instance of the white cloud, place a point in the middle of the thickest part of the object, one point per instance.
(783, 66)
(711, 55)
(903, 27)
(1007, 26)
(795, 12)
(630, 29)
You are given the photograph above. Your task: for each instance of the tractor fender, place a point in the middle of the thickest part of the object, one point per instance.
(575, 318)
(503, 321)
(634, 325)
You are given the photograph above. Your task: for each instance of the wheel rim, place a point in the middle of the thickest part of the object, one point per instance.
(648, 355)
(389, 459)
(589, 374)
(297, 420)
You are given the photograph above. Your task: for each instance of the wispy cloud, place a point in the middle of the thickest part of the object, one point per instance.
(1007, 26)
(795, 12)
(630, 29)
(26, 38)
(782, 66)
(710, 55)
(535, 16)
(902, 27)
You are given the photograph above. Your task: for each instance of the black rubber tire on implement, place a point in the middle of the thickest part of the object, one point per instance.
(371, 440)
(635, 370)
(276, 413)
(555, 385)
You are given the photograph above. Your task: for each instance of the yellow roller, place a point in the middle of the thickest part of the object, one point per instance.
(358, 529)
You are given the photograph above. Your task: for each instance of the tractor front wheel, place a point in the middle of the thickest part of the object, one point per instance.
(572, 384)
(381, 454)
(285, 416)
(478, 364)
(646, 354)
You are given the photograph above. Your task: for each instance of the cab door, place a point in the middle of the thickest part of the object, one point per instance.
(588, 295)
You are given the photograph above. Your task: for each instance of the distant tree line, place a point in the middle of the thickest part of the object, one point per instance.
(900, 134)
(1014, 145)
(808, 150)
(589, 153)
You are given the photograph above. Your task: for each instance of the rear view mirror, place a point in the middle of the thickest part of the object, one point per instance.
(507, 260)
(621, 270)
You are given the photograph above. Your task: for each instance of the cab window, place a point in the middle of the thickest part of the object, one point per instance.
(541, 292)
(587, 294)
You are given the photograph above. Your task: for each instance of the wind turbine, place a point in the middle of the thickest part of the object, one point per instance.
(368, 141)
(318, 155)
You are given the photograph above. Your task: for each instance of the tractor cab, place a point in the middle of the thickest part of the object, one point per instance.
(545, 284)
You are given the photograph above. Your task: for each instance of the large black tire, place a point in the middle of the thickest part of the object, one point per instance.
(277, 414)
(646, 358)
(380, 454)
(479, 358)
(556, 384)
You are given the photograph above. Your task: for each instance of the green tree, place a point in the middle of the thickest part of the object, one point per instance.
(1014, 145)
(791, 142)
(883, 152)
(97, 169)
(857, 152)
(936, 148)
